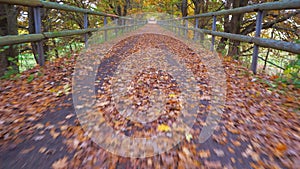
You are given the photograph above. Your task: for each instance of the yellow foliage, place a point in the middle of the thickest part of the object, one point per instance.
(163, 128)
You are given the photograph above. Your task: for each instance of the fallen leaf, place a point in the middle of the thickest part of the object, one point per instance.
(188, 137)
(281, 147)
(186, 151)
(69, 116)
(204, 153)
(64, 127)
(172, 95)
(163, 128)
(38, 138)
(220, 153)
(25, 151)
(42, 149)
(212, 164)
(60, 164)
(39, 126)
(53, 133)
(234, 131)
(231, 150)
(254, 156)
(102, 104)
(232, 160)
(236, 143)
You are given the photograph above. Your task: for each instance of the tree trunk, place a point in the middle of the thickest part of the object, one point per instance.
(184, 8)
(201, 6)
(226, 26)
(232, 25)
(8, 26)
(235, 27)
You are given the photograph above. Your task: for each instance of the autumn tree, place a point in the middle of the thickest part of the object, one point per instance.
(8, 26)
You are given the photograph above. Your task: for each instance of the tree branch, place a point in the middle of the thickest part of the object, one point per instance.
(251, 27)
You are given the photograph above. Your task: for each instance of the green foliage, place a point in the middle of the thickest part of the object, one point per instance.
(291, 74)
(26, 61)
(2, 49)
(10, 73)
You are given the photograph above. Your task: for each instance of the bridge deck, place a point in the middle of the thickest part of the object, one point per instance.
(165, 78)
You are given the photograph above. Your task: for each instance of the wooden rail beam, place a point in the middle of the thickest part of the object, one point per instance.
(32, 3)
(18, 39)
(55, 5)
(263, 42)
(279, 5)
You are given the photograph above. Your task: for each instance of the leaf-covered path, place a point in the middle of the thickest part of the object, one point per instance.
(259, 128)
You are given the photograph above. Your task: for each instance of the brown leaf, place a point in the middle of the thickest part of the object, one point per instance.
(25, 151)
(212, 164)
(236, 143)
(42, 149)
(53, 133)
(231, 150)
(204, 153)
(60, 164)
(219, 152)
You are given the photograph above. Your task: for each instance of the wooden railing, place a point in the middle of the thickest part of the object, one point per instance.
(126, 22)
(175, 24)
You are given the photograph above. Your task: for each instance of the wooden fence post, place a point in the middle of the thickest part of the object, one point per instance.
(257, 34)
(38, 29)
(86, 36)
(214, 26)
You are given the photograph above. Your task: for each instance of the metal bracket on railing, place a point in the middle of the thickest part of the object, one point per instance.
(257, 34)
(38, 29)
(196, 27)
(85, 25)
(179, 29)
(214, 26)
(123, 24)
(174, 26)
(186, 28)
(116, 23)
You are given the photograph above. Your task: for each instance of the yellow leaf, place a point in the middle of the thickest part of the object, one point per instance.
(172, 95)
(163, 128)
(60, 164)
(188, 137)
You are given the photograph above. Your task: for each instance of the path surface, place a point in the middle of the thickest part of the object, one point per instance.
(258, 128)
